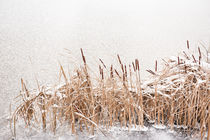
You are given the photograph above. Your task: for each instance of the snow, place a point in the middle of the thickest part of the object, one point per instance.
(154, 132)
(115, 133)
(41, 30)
(159, 126)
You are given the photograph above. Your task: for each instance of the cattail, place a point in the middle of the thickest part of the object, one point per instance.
(117, 73)
(133, 66)
(186, 55)
(122, 68)
(83, 57)
(125, 71)
(99, 69)
(199, 60)
(150, 71)
(111, 71)
(119, 59)
(102, 63)
(156, 65)
(199, 52)
(194, 58)
(178, 60)
(188, 46)
(102, 73)
(137, 64)
(123, 78)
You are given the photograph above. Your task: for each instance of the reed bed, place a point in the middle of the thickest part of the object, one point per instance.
(177, 95)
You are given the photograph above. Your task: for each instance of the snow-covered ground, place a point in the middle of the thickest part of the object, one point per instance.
(115, 133)
(35, 33)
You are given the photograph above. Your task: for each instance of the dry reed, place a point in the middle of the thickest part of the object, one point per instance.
(178, 95)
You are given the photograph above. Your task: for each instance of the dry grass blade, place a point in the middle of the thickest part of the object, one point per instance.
(63, 73)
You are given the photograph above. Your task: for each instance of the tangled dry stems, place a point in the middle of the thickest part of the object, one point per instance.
(177, 95)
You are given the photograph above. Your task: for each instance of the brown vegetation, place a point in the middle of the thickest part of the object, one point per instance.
(177, 95)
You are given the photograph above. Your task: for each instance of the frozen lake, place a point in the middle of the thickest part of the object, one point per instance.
(35, 33)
